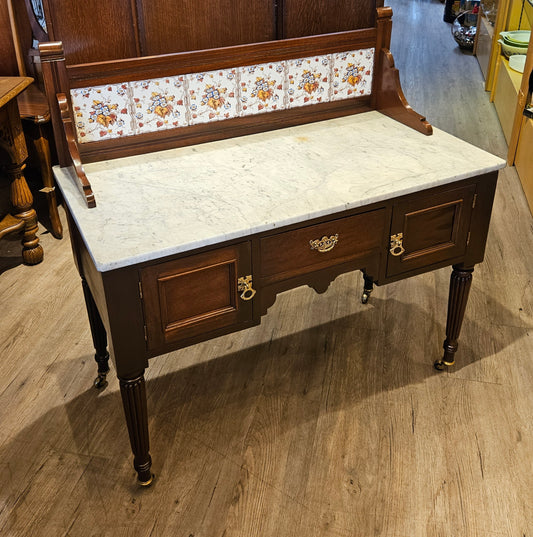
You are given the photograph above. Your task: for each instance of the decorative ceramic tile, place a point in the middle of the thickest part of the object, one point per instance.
(102, 112)
(212, 96)
(262, 88)
(143, 106)
(352, 74)
(159, 104)
(309, 81)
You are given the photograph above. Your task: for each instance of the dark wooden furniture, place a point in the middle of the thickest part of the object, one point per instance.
(33, 105)
(35, 116)
(14, 153)
(228, 224)
(147, 28)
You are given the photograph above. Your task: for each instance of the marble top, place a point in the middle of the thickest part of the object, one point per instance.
(153, 205)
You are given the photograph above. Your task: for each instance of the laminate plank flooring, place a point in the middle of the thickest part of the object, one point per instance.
(327, 423)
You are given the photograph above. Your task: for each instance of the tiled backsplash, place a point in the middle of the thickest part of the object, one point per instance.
(145, 106)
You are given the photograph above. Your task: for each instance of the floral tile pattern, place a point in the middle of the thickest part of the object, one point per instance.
(309, 81)
(262, 88)
(159, 104)
(102, 112)
(352, 74)
(212, 96)
(143, 106)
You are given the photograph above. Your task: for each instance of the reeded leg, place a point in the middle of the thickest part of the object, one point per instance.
(99, 337)
(22, 200)
(367, 288)
(460, 282)
(133, 392)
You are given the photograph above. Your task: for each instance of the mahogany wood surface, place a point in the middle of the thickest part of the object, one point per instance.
(8, 65)
(133, 394)
(107, 72)
(460, 283)
(73, 153)
(437, 230)
(167, 26)
(59, 78)
(161, 305)
(95, 31)
(390, 99)
(289, 254)
(192, 297)
(195, 295)
(326, 422)
(98, 332)
(318, 17)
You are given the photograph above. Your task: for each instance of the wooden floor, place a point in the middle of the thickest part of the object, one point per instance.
(331, 423)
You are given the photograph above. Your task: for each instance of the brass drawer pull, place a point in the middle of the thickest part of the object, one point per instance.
(396, 246)
(325, 244)
(244, 284)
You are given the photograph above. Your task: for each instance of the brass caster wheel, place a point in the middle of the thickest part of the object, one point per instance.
(365, 296)
(441, 365)
(100, 382)
(146, 483)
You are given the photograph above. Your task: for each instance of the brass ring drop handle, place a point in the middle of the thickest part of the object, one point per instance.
(325, 244)
(396, 246)
(244, 284)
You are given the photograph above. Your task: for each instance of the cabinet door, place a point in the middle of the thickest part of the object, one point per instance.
(195, 295)
(430, 230)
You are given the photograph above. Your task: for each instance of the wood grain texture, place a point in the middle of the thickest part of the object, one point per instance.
(316, 17)
(330, 423)
(8, 65)
(186, 26)
(92, 30)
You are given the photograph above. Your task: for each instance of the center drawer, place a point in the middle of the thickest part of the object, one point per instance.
(311, 248)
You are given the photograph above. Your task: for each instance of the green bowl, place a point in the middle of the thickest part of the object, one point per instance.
(516, 37)
(510, 50)
(515, 43)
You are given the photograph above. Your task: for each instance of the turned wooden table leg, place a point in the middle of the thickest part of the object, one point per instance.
(460, 282)
(99, 337)
(22, 201)
(133, 392)
(13, 145)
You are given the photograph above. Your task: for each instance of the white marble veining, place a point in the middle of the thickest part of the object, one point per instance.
(153, 205)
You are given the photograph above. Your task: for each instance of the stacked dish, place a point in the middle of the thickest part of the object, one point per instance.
(514, 42)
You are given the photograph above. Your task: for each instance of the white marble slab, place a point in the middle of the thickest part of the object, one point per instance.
(153, 205)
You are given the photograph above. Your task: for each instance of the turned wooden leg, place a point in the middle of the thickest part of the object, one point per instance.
(22, 200)
(45, 163)
(460, 282)
(99, 337)
(133, 392)
(367, 288)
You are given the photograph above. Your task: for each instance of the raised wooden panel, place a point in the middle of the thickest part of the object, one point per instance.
(92, 30)
(195, 294)
(315, 17)
(290, 254)
(434, 229)
(166, 26)
(8, 65)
